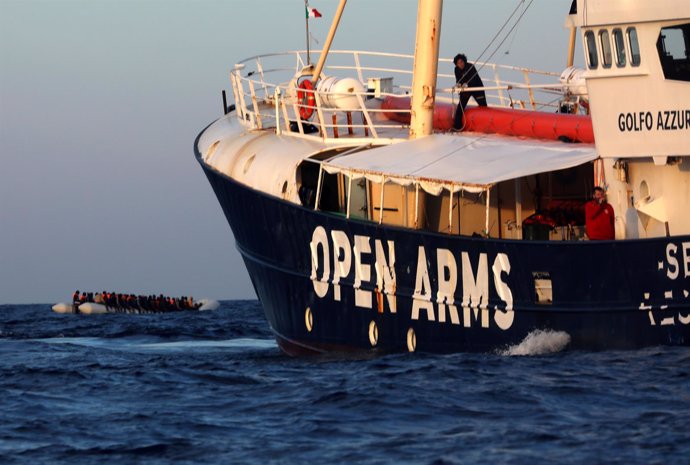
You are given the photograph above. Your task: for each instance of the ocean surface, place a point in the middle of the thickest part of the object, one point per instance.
(213, 387)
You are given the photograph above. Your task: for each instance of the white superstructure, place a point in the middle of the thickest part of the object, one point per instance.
(638, 80)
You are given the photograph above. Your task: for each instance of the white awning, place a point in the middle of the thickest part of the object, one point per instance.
(469, 162)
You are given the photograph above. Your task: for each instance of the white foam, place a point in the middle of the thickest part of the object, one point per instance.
(240, 343)
(539, 342)
(208, 304)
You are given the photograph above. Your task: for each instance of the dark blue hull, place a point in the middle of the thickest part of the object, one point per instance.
(451, 293)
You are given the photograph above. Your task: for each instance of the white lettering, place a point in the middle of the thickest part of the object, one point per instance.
(320, 238)
(475, 292)
(341, 267)
(503, 318)
(686, 259)
(671, 250)
(446, 286)
(385, 274)
(362, 272)
(422, 288)
(685, 319)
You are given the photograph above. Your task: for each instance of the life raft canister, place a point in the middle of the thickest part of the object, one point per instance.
(307, 101)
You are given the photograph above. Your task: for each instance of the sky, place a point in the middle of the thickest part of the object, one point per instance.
(100, 103)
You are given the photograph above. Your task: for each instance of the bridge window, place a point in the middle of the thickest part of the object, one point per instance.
(673, 46)
(605, 48)
(634, 47)
(620, 47)
(591, 44)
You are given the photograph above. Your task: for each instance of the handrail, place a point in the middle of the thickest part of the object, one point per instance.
(267, 97)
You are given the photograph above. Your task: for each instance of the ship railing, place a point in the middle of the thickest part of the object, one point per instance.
(267, 95)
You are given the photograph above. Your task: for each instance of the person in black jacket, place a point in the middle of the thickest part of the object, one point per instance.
(466, 75)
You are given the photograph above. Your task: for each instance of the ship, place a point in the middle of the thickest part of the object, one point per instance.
(366, 223)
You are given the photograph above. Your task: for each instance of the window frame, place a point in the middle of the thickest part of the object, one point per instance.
(675, 69)
(634, 62)
(605, 46)
(620, 52)
(592, 52)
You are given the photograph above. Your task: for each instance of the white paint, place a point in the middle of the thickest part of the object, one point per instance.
(668, 294)
(475, 292)
(320, 238)
(422, 289)
(686, 259)
(446, 286)
(684, 319)
(362, 272)
(341, 266)
(385, 273)
(503, 318)
(671, 250)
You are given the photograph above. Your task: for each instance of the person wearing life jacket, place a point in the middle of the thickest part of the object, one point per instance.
(75, 301)
(599, 217)
(466, 75)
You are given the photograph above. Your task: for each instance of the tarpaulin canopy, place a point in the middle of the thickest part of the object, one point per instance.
(460, 162)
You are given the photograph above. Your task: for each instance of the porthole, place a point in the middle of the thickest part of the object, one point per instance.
(411, 340)
(248, 164)
(308, 319)
(373, 333)
(644, 191)
(211, 150)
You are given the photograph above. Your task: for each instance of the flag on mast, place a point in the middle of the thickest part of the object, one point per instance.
(313, 13)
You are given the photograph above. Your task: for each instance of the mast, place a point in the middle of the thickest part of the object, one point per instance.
(329, 40)
(306, 14)
(425, 67)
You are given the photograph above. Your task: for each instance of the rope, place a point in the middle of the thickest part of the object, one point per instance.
(498, 34)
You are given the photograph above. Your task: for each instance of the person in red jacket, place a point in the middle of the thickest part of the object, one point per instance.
(599, 217)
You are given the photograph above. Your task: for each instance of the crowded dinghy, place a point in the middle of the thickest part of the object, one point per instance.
(90, 303)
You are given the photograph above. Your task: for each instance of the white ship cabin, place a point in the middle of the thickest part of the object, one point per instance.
(342, 145)
(638, 79)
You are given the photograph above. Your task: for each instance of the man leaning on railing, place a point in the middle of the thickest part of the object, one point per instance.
(466, 75)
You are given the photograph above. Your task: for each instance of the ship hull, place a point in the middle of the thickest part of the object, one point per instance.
(448, 293)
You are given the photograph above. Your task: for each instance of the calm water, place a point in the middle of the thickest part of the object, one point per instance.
(213, 388)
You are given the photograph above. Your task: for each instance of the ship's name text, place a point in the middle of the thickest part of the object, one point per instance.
(334, 257)
(673, 253)
(672, 120)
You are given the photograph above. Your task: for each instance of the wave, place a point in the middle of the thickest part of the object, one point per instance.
(539, 342)
(146, 344)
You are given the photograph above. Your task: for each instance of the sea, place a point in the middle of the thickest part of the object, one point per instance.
(213, 388)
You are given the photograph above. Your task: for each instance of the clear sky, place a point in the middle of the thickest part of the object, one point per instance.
(100, 103)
